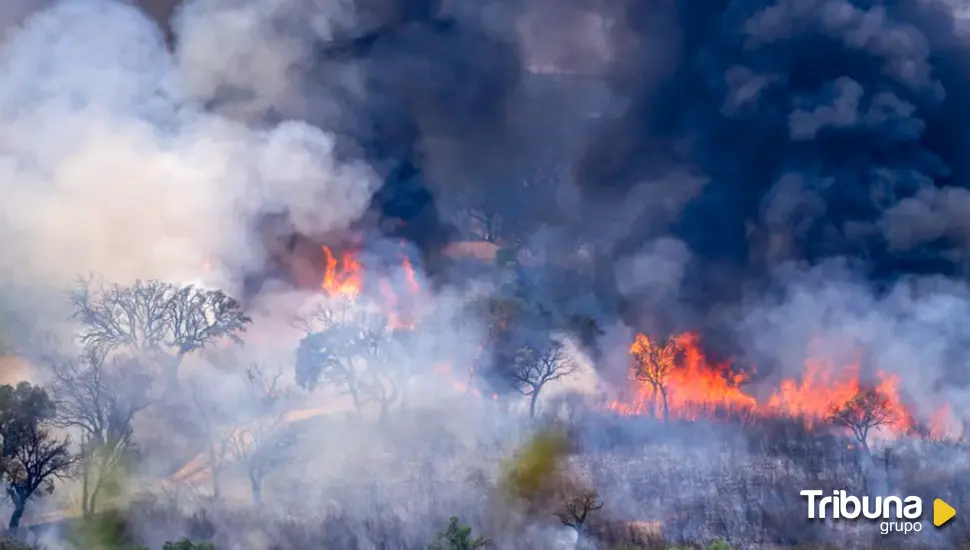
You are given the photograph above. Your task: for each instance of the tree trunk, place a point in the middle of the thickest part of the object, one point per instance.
(216, 485)
(257, 487)
(93, 506)
(663, 399)
(358, 404)
(579, 538)
(85, 488)
(173, 366)
(19, 505)
(385, 408)
(491, 234)
(532, 402)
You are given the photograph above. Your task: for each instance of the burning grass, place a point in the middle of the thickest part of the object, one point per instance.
(675, 379)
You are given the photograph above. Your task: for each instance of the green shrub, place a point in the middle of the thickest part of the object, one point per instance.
(105, 531)
(454, 537)
(531, 473)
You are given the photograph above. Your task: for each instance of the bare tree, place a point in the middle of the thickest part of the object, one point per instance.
(358, 353)
(264, 442)
(575, 511)
(535, 366)
(153, 319)
(498, 315)
(101, 397)
(215, 422)
(867, 410)
(32, 457)
(652, 364)
(478, 210)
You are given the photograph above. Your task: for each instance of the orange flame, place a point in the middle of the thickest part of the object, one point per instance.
(444, 370)
(342, 277)
(680, 370)
(675, 378)
(409, 275)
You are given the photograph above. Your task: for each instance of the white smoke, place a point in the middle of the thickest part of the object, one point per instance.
(913, 332)
(108, 165)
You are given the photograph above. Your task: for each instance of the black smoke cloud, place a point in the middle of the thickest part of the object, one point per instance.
(757, 133)
(823, 128)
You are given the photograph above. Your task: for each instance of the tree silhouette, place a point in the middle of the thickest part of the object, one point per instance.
(575, 511)
(652, 363)
(101, 397)
(535, 366)
(32, 456)
(155, 320)
(868, 409)
(358, 353)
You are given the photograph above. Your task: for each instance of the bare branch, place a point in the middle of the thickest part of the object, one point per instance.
(154, 320)
(535, 366)
(577, 508)
(867, 410)
(262, 440)
(101, 396)
(652, 363)
(359, 355)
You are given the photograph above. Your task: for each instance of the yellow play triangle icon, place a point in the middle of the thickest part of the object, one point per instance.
(942, 512)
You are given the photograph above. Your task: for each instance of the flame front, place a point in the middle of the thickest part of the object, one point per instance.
(342, 277)
(674, 379)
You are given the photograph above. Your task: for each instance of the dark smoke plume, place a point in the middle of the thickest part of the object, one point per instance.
(823, 128)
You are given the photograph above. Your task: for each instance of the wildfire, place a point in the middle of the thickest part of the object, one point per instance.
(674, 379)
(343, 277)
(444, 370)
(409, 275)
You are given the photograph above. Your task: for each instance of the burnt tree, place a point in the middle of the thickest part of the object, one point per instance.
(100, 397)
(214, 420)
(576, 509)
(536, 365)
(870, 408)
(265, 439)
(652, 364)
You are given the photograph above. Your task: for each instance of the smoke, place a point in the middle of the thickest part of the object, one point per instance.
(824, 127)
(830, 313)
(788, 178)
(13, 13)
(822, 131)
(110, 167)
